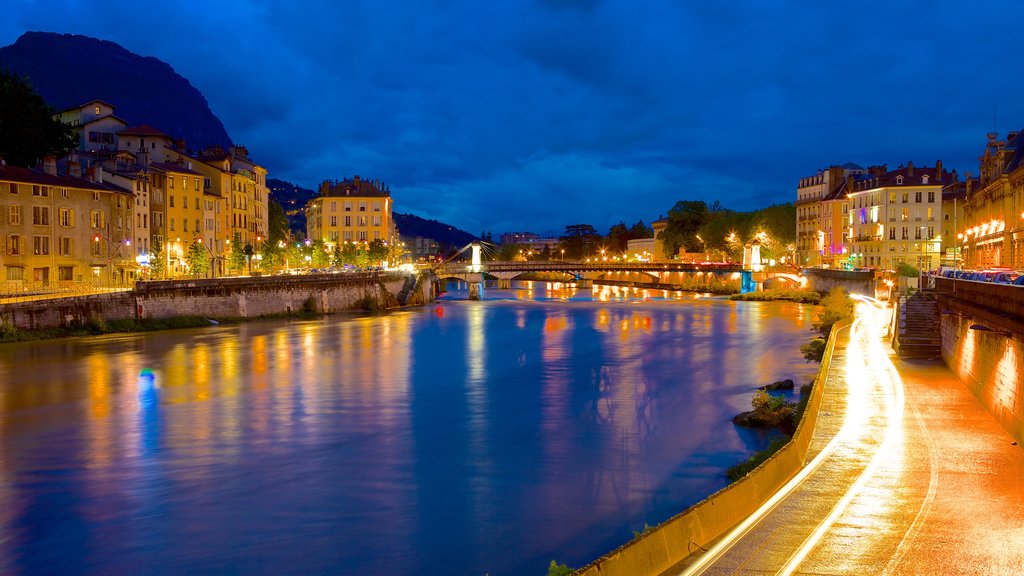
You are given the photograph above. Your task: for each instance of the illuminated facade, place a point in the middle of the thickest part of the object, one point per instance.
(992, 230)
(56, 230)
(353, 210)
(896, 217)
(821, 214)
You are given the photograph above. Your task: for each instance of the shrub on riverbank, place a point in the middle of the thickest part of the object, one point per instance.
(743, 468)
(836, 306)
(556, 569)
(96, 325)
(814, 350)
(799, 296)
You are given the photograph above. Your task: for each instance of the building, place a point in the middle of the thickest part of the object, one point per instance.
(992, 228)
(64, 230)
(896, 217)
(95, 125)
(821, 213)
(518, 237)
(353, 210)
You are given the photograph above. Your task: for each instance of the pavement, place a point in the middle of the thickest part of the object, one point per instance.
(907, 474)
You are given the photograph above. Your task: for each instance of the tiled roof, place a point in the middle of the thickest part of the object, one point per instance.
(909, 175)
(173, 167)
(142, 130)
(28, 176)
(361, 189)
(1016, 144)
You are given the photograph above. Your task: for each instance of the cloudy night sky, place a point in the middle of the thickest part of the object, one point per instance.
(534, 114)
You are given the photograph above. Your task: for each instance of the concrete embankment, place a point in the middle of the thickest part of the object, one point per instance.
(227, 298)
(671, 542)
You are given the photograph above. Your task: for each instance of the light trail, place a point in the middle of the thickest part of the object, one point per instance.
(883, 369)
(849, 428)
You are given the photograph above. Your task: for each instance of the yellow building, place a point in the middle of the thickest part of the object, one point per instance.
(350, 211)
(821, 214)
(185, 219)
(992, 229)
(63, 230)
(896, 217)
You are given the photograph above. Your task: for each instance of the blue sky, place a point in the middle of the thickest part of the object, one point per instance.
(534, 114)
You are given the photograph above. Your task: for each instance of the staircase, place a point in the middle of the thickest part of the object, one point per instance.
(919, 335)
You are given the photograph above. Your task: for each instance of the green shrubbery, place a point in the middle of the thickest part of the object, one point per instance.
(743, 468)
(836, 306)
(556, 569)
(799, 296)
(814, 350)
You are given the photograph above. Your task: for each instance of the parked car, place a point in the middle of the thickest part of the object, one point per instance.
(1019, 281)
(1006, 277)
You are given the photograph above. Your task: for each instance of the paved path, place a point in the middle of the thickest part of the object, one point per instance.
(907, 474)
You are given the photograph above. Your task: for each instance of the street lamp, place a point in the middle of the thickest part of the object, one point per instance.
(111, 253)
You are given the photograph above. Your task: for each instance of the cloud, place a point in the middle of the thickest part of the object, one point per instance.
(515, 115)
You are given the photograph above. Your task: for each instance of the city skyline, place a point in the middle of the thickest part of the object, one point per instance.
(522, 117)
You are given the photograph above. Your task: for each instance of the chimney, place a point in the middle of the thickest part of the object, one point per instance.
(180, 144)
(50, 164)
(325, 187)
(910, 169)
(90, 173)
(938, 169)
(356, 180)
(74, 168)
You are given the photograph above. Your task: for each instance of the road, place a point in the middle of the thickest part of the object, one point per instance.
(907, 474)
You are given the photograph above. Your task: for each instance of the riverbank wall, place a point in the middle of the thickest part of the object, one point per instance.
(671, 542)
(823, 280)
(982, 328)
(246, 297)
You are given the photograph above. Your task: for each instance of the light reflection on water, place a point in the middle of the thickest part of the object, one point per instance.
(460, 438)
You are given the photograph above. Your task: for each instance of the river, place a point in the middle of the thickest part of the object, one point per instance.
(462, 437)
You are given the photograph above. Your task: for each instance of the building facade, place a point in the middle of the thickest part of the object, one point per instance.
(61, 230)
(896, 217)
(992, 229)
(821, 214)
(353, 210)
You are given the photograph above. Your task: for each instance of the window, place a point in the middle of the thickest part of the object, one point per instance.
(376, 234)
(376, 220)
(15, 273)
(40, 245)
(361, 236)
(196, 183)
(917, 232)
(334, 220)
(906, 197)
(170, 181)
(931, 196)
(892, 233)
(63, 192)
(348, 220)
(97, 218)
(14, 188)
(184, 225)
(945, 217)
(333, 236)
(41, 215)
(905, 233)
(14, 244)
(96, 196)
(892, 196)
(171, 200)
(899, 179)
(347, 235)
(362, 222)
(197, 229)
(348, 206)
(43, 191)
(376, 205)
(14, 214)
(930, 213)
(65, 246)
(96, 248)
(96, 110)
(184, 202)
(905, 215)
(171, 222)
(66, 219)
(362, 206)
(917, 197)
(66, 273)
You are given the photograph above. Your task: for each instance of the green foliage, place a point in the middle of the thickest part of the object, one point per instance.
(726, 231)
(647, 529)
(800, 296)
(685, 220)
(580, 241)
(619, 235)
(836, 306)
(904, 269)
(742, 469)
(157, 262)
(96, 325)
(814, 350)
(765, 403)
(198, 259)
(28, 130)
(236, 257)
(556, 569)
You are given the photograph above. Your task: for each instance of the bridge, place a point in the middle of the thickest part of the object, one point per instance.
(669, 275)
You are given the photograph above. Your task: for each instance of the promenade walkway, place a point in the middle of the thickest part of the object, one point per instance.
(907, 474)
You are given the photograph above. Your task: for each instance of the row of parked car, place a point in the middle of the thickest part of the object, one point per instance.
(996, 275)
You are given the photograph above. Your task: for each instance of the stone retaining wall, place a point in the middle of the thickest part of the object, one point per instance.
(227, 298)
(853, 281)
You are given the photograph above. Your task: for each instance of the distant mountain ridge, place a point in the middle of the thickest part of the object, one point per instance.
(68, 70)
(294, 198)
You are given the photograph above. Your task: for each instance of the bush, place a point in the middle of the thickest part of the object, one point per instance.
(799, 296)
(814, 350)
(743, 468)
(556, 569)
(904, 269)
(836, 306)
(765, 403)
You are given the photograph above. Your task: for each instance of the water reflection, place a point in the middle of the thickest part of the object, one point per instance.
(463, 437)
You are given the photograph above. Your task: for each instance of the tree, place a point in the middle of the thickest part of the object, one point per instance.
(28, 130)
(156, 261)
(198, 259)
(641, 230)
(684, 223)
(580, 240)
(236, 258)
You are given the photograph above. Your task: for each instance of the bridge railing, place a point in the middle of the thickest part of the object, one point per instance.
(505, 266)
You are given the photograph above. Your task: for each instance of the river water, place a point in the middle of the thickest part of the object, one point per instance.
(458, 438)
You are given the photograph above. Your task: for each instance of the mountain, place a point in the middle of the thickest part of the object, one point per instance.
(68, 70)
(410, 225)
(294, 199)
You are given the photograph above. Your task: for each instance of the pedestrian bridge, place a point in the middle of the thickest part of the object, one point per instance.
(680, 275)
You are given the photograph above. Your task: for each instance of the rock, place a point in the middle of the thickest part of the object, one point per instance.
(786, 384)
(781, 419)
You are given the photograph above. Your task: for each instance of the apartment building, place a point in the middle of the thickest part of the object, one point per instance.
(991, 231)
(353, 210)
